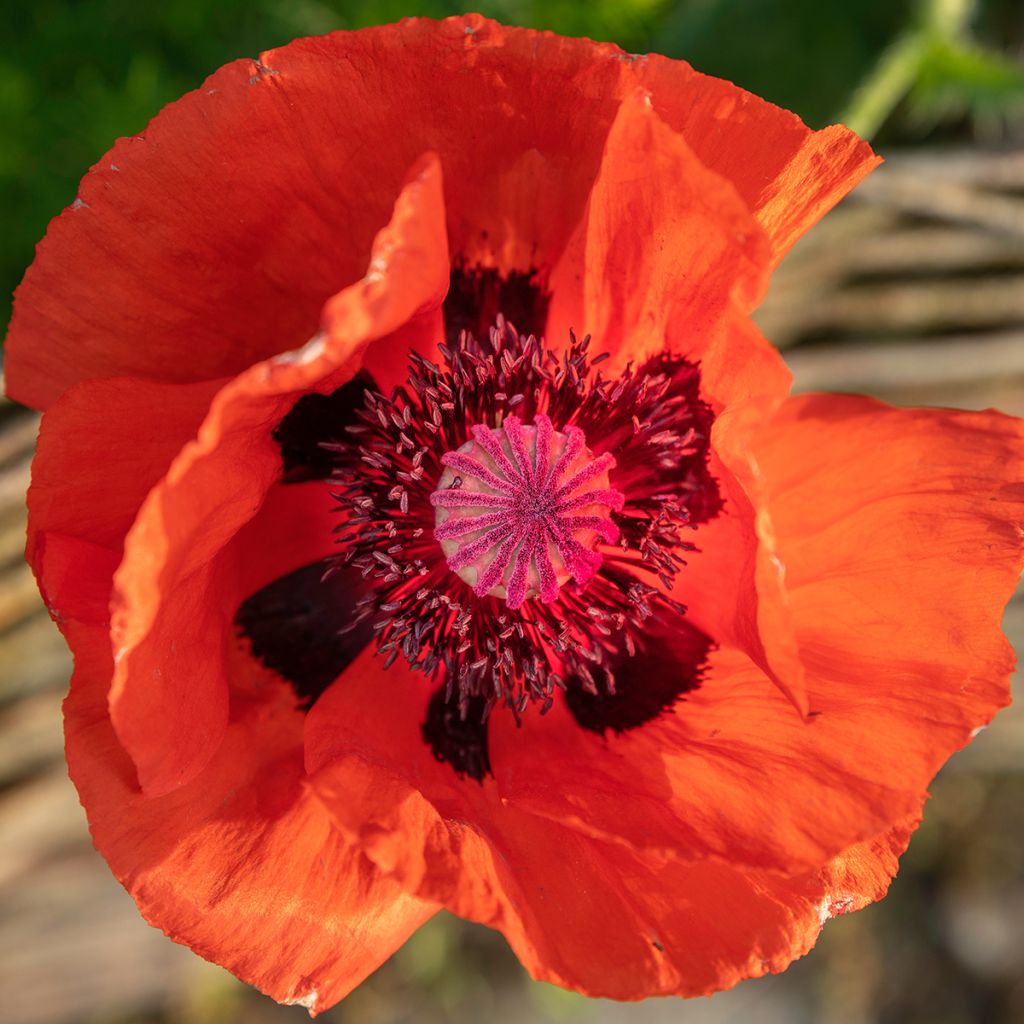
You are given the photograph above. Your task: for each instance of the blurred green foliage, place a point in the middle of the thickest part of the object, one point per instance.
(76, 74)
(944, 74)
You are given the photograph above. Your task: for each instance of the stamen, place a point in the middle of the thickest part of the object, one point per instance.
(480, 473)
(502, 546)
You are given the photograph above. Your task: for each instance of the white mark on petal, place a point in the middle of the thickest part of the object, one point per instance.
(308, 1001)
(378, 265)
(833, 906)
(308, 353)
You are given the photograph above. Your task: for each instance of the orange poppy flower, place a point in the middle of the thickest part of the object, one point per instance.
(601, 641)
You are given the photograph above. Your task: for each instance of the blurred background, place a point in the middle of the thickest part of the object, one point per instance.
(913, 290)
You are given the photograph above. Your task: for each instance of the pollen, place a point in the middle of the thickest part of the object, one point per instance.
(519, 509)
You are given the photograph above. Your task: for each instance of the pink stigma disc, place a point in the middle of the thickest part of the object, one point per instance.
(519, 509)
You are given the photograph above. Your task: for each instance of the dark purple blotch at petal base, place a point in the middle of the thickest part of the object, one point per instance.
(456, 740)
(316, 420)
(647, 685)
(296, 626)
(476, 295)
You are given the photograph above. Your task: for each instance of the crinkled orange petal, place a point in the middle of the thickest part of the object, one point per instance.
(788, 175)
(278, 172)
(664, 249)
(265, 175)
(126, 432)
(598, 915)
(293, 528)
(334, 918)
(518, 118)
(899, 532)
(600, 919)
(242, 864)
(174, 600)
(77, 522)
(696, 783)
(759, 620)
(75, 548)
(732, 591)
(375, 714)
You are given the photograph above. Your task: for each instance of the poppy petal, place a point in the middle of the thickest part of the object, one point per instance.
(670, 664)
(242, 864)
(293, 625)
(631, 277)
(693, 784)
(169, 697)
(599, 916)
(788, 175)
(606, 922)
(217, 181)
(127, 452)
(263, 174)
(899, 531)
(751, 613)
(665, 247)
(747, 377)
(314, 420)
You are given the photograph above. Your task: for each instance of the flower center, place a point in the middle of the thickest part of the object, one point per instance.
(519, 509)
(478, 471)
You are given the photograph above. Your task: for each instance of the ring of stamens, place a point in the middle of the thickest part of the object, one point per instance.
(520, 508)
(405, 448)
